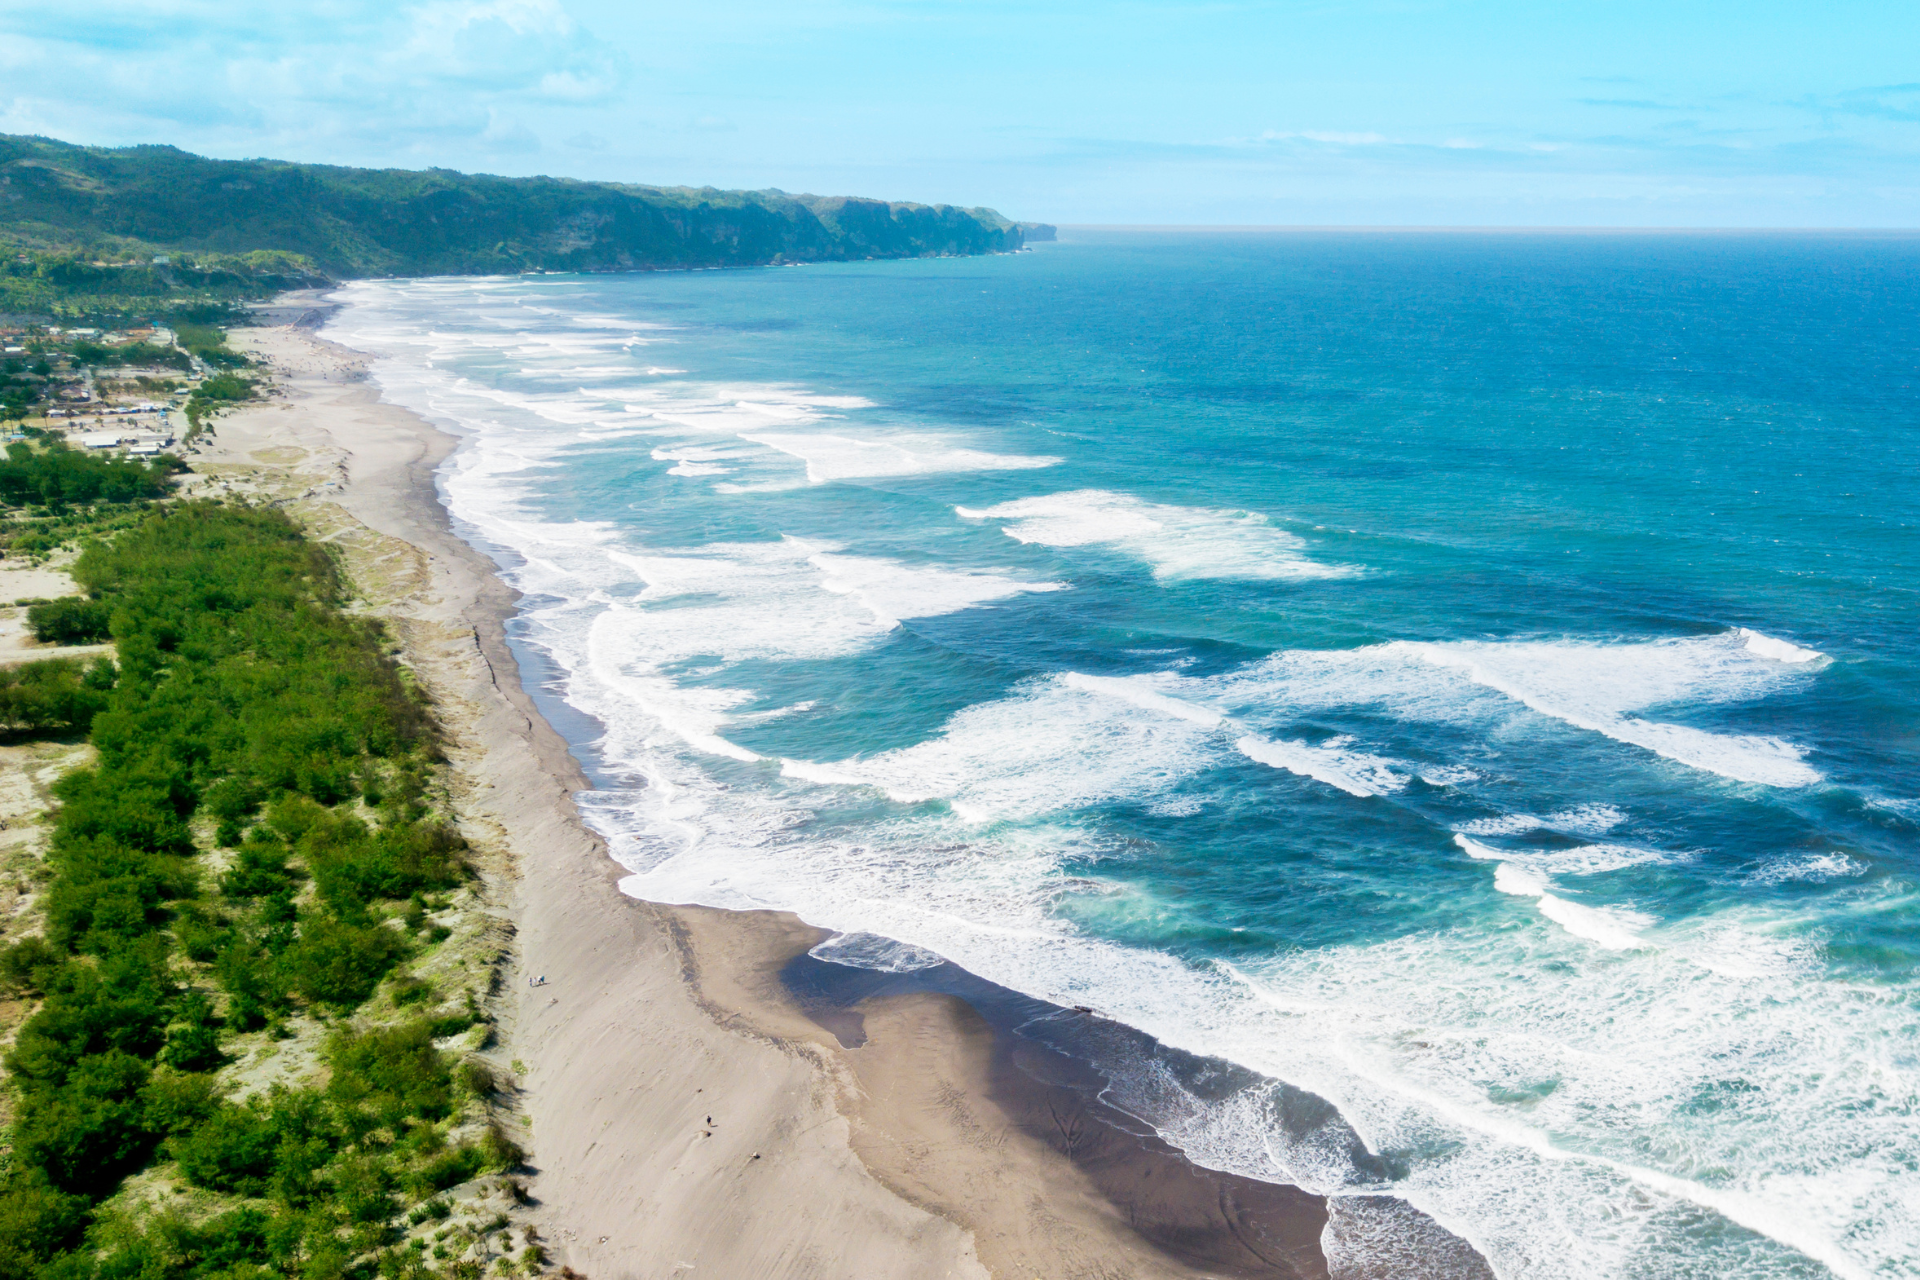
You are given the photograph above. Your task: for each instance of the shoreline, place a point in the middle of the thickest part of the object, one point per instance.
(698, 1098)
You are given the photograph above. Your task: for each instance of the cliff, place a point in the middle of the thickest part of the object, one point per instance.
(339, 222)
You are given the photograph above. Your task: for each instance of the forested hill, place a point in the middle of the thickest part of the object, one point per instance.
(341, 222)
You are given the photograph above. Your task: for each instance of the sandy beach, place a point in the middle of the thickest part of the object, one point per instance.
(686, 1112)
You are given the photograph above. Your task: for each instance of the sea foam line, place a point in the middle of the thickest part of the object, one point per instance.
(1178, 542)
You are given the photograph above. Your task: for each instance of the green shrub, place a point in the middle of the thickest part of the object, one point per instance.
(178, 1101)
(37, 1222)
(393, 1074)
(55, 694)
(502, 1154)
(91, 1129)
(71, 620)
(448, 1169)
(231, 1150)
(232, 798)
(118, 1005)
(363, 1189)
(411, 990)
(193, 1043)
(476, 1078)
(200, 936)
(27, 966)
(258, 871)
(338, 963)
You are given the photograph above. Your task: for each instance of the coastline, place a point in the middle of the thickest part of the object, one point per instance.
(904, 1137)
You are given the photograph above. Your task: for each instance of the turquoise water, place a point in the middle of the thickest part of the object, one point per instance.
(1467, 678)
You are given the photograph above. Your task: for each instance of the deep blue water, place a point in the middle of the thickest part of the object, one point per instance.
(1470, 678)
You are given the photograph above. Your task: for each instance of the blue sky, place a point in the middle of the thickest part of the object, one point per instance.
(1395, 112)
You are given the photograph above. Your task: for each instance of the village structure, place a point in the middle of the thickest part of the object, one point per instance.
(119, 408)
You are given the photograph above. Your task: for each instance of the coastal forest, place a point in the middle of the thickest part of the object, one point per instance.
(246, 869)
(115, 225)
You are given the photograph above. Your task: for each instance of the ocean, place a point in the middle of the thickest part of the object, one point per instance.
(1466, 679)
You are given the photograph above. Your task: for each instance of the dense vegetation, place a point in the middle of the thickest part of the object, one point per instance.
(77, 273)
(70, 620)
(221, 391)
(248, 712)
(147, 354)
(230, 225)
(59, 474)
(56, 695)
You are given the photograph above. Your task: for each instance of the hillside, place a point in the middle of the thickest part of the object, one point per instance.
(238, 227)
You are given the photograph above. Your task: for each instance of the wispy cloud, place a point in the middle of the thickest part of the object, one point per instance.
(1899, 102)
(400, 76)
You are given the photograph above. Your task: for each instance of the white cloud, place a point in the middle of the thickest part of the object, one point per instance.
(319, 78)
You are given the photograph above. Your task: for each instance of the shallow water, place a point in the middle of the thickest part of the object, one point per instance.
(1466, 678)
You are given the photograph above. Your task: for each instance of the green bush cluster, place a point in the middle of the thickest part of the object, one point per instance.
(60, 474)
(210, 344)
(217, 392)
(57, 695)
(70, 620)
(246, 696)
(133, 353)
(37, 535)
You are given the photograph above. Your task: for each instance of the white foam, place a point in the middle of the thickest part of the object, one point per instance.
(892, 590)
(1778, 650)
(1140, 692)
(871, 951)
(1178, 542)
(1615, 928)
(1355, 773)
(794, 598)
(1055, 744)
(1507, 824)
(1380, 1238)
(1447, 775)
(1595, 859)
(1596, 687)
(1815, 869)
(836, 456)
(1584, 820)
(1736, 949)
(697, 460)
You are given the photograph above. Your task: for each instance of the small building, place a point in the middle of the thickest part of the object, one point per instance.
(101, 440)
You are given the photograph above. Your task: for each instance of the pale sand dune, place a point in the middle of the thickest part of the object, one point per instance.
(656, 1018)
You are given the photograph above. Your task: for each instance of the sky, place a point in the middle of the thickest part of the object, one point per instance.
(1735, 113)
